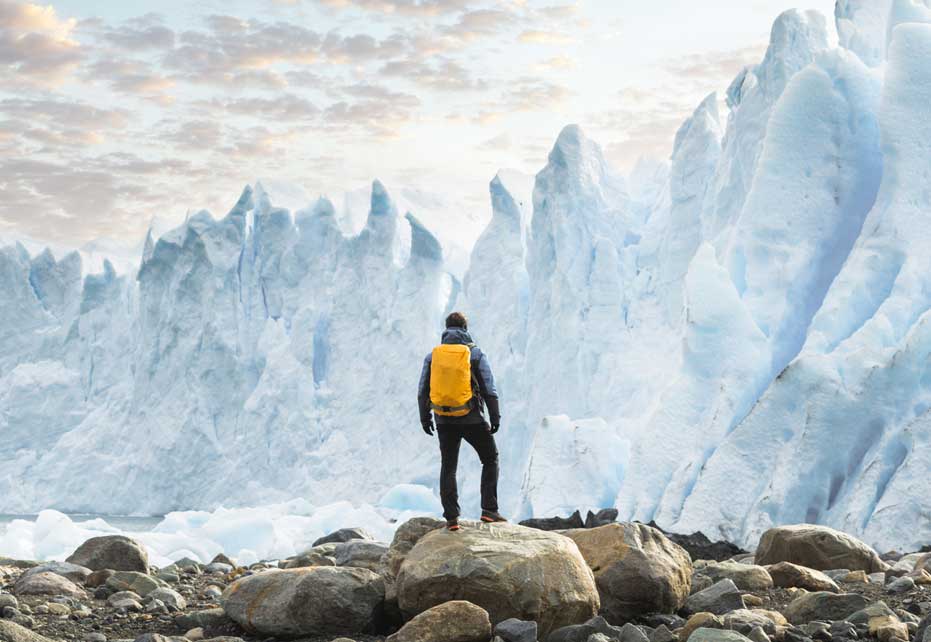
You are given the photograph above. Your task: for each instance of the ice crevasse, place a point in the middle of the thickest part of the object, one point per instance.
(742, 342)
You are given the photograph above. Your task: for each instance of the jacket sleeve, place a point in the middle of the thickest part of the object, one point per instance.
(423, 393)
(486, 384)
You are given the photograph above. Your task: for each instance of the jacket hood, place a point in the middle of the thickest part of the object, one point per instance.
(457, 335)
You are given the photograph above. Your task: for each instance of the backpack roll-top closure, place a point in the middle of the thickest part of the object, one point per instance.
(451, 380)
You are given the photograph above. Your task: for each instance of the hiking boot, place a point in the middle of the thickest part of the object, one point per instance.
(452, 524)
(490, 516)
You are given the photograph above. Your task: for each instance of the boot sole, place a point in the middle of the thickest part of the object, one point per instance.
(489, 520)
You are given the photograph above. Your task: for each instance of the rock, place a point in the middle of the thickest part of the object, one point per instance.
(817, 547)
(514, 630)
(457, 621)
(139, 583)
(758, 635)
(98, 578)
(923, 628)
(631, 633)
(788, 575)
(61, 610)
(637, 569)
(856, 577)
(95, 637)
(720, 598)
(699, 547)
(361, 554)
(901, 585)
(195, 635)
(322, 600)
(207, 619)
(751, 600)
(747, 577)
(218, 568)
(875, 610)
(170, 598)
(698, 621)
(876, 578)
(221, 558)
(309, 558)
(152, 637)
(12, 632)
(212, 593)
(887, 628)
(602, 518)
(823, 605)
(509, 570)
(73, 572)
(128, 605)
(8, 601)
(555, 523)
(115, 552)
(123, 595)
(662, 634)
(582, 632)
(716, 635)
(744, 620)
(599, 637)
(188, 565)
(344, 535)
(921, 577)
(47, 584)
(700, 583)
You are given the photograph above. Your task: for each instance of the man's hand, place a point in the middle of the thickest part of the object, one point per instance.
(428, 428)
(494, 428)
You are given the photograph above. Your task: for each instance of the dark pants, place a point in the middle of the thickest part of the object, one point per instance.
(451, 436)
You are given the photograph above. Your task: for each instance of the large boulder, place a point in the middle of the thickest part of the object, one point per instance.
(361, 554)
(457, 621)
(637, 569)
(824, 606)
(719, 598)
(12, 632)
(344, 535)
(817, 547)
(747, 577)
(789, 575)
(304, 602)
(510, 571)
(115, 552)
(75, 573)
(138, 583)
(47, 584)
(405, 537)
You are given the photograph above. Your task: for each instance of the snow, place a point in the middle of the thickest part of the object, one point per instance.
(734, 339)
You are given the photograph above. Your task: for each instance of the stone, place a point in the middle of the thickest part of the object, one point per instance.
(662, 633)
(206, 619)
(875, 610)
(856, 577)
(921, 577)
(188, 565)
(876, 578)
(637, 569)
(582, 632)
(923, 627)
(322, 600)
(698, 621)
(789, 575)
(221, 558)
(901, 585)
(747, 577)
(886, 628)
(170, 598)
(75, 573)
(632, 633)
(344, 535)
(700, 583)
(8, 601)
(817, 547)
(456, 621)
(139, 583)
(115, 552)
(752, 601)
(95, 637)
(720, 598)
(510, 571)
(47, 584)
(555, 523)
(744, 621)
(602, 518)
(823, 605)
(128, 605)
(758, 635)
(13, 632)
(599, 637)
(716, 635)
(310, 558)
(218, 568)
(361, 554)
(195, 635)
(123, 595)
(98, 578)
(514, 630)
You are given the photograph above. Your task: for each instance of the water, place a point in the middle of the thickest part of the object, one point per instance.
(123, 522)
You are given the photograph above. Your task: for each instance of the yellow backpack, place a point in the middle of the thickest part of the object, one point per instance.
(451, 380)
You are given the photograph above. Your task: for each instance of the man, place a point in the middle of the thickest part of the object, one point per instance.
(455, 381)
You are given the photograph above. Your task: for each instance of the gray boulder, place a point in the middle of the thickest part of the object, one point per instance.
(582, 632)
(361, 554)
(747, 577)
(115, 552)
(510, 571)
(817, 547)
(344, 535)
(47, 584)
(789, 575)
(901, 585)
(456, 621)
(73, 572)
(309, 558)
(514, 630)
(716, 635)
(718, 599)
(637, 569)
(139, 583)
(823, 606)
(119, 596)
(304, 602)
(170, 598)
(12, 632)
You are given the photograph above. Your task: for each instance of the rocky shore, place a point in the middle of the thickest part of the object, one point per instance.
(550, 580)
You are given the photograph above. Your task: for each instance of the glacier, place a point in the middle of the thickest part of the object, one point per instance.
(734, 339)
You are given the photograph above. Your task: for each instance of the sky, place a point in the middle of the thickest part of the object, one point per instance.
(112, 114)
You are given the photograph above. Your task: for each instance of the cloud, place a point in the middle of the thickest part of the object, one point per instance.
(498, 143)
(418, 8)
(379, 117)
(481, 22)
(130, 77)
(442, 75)
(36, 46)
(139, 34)
(65, 113)
(285, 107)
(541, 37)
(715, 68)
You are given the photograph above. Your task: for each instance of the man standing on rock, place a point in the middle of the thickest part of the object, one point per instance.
(457, 384)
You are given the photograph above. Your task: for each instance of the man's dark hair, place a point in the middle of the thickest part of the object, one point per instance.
(457, 320)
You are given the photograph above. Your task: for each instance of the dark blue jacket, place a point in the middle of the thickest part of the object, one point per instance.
(486, 392)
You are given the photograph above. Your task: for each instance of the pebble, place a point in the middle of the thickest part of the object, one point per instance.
(195, 634)
(901, 585)
(96, 637)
